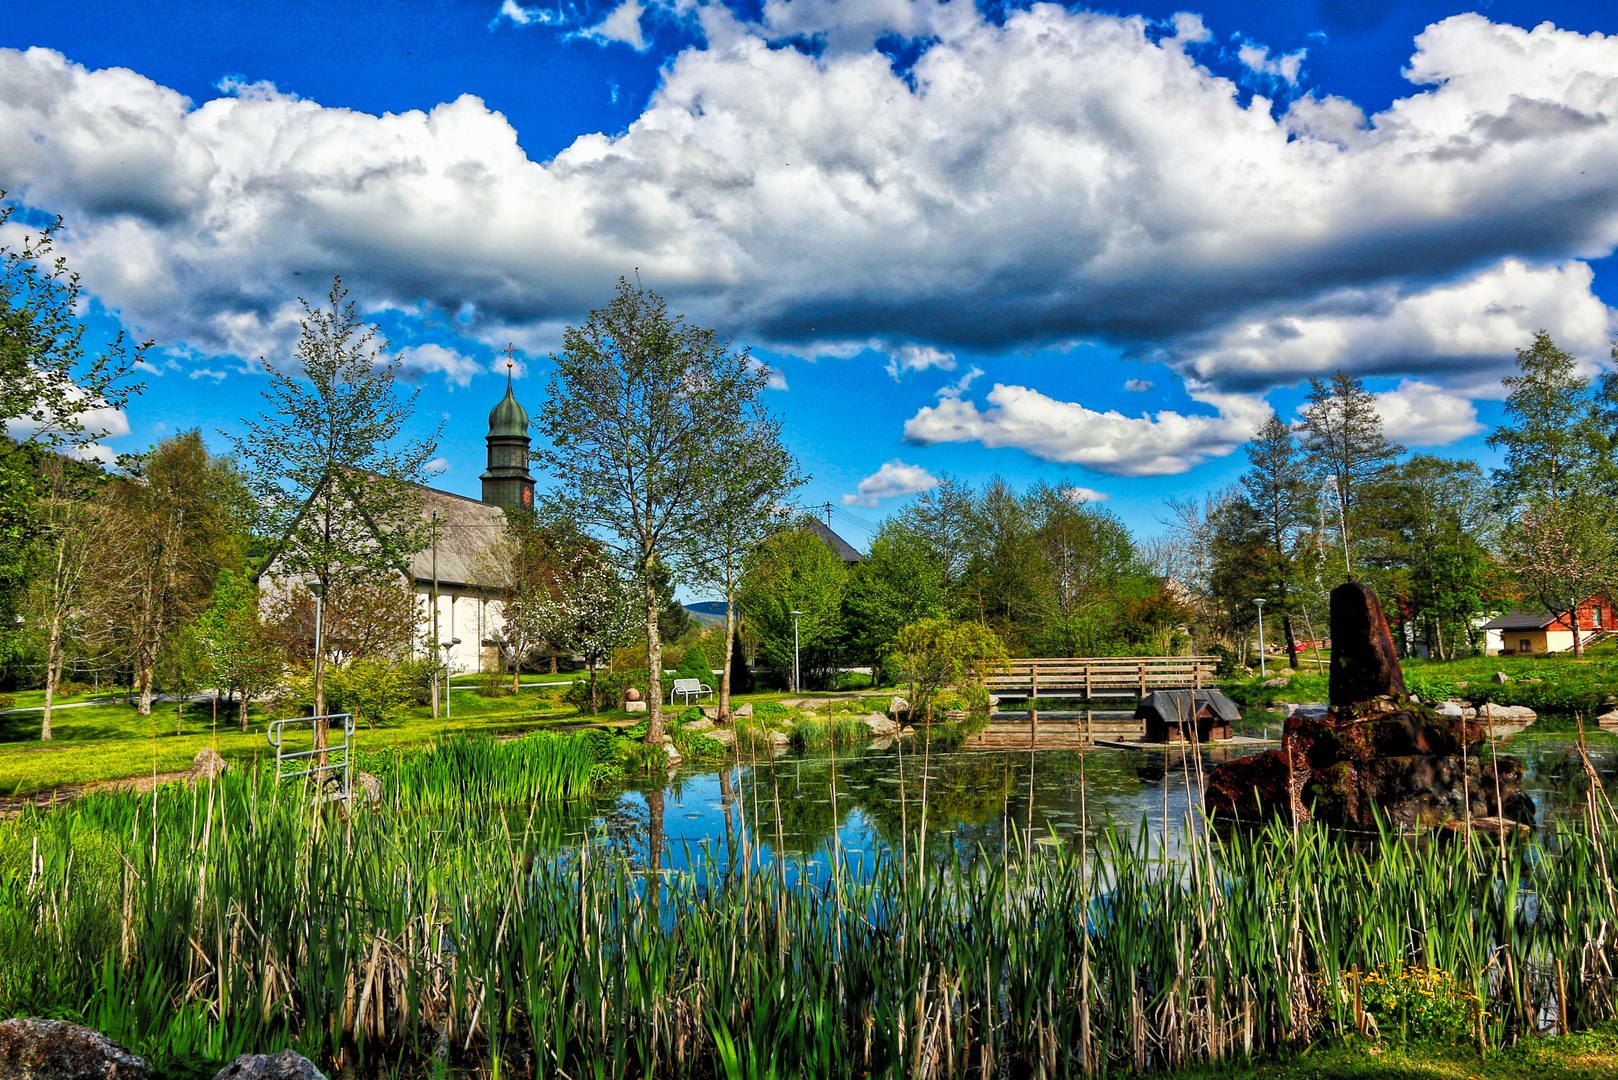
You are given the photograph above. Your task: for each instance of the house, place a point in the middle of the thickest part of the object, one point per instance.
(1527, 632)
(1187, 715)
(842, 548)
(449, 577)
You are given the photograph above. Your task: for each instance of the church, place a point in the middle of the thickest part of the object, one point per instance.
(456, 601)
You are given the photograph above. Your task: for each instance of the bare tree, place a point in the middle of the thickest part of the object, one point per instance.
(1564, 554)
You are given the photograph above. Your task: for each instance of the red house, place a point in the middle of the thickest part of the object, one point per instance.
(1524, 633)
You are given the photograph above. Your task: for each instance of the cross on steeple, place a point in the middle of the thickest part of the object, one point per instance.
(511, 352)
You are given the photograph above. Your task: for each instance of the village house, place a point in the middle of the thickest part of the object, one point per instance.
(1526, 633)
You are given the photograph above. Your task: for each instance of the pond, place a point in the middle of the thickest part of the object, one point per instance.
(977, 800)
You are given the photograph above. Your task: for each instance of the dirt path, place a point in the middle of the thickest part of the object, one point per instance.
(13, 805)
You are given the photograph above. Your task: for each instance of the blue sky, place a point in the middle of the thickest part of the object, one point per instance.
(1087, 244)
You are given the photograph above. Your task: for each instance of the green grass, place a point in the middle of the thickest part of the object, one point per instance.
(198, 923)
(113, 741)
(1581, 1056)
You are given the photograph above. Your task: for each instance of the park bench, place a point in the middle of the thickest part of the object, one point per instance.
(689, 689)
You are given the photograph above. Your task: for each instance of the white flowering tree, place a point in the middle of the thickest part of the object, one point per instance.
(583, 607)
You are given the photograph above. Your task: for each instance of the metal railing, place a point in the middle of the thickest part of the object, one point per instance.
(338, 764)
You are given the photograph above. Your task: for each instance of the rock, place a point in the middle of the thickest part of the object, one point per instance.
(723, 735)
(673, 752)
(907, 730)
(882, 744)
(1364, 665)
(898, 705)
(1608, 719)
(208, 765)
(1507, 714)
(632, 694)
(880, 725)
(743, 711)
(780, 738)
(1277, 682)
(700, 726)
(710, 711)
(1500, 678)
(366, 787)
(56, 1050)
(1313, 710)
(283, 1066)
(634, 706)
(1373, 753)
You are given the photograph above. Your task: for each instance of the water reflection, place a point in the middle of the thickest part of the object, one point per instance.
(812, 808)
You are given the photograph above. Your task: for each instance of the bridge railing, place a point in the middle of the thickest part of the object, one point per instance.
(297, 757)
(1097, 677)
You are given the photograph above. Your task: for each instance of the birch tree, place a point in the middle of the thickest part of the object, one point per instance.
(645, 412)
(61, 600)
(333, 475)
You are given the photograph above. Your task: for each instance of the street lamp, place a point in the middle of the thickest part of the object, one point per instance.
(1262, 669)
(797, 684)
(317, 589)
(447, 645)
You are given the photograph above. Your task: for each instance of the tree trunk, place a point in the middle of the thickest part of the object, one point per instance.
(243, 721)
(53, 674)
(1292, 641)
(516, 673)
(143, 677)
(1578, 639)
(595, 698)
(654, 666)
(179, 718)
(553, 661)
(724, 675)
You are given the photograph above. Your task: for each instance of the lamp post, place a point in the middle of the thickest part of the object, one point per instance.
(447, 645)
(1262, 669)
(797, 685)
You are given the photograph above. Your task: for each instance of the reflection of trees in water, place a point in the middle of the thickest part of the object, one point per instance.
(1554, 774)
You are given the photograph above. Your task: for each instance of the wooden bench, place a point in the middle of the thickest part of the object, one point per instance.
(1099, 677)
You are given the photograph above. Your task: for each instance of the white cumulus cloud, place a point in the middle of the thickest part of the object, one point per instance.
(1108, 442)
(1420, 414)
(893, 479)
(1055, 176)
(418, 360)
(912, 357)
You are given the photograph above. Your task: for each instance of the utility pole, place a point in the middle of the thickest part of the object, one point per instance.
(797, 684)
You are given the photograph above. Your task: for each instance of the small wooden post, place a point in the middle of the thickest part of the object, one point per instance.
(1142, 668)
(1033, 697)
(1087, 694)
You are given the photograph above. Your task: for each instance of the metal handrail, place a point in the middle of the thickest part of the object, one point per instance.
(338, 759)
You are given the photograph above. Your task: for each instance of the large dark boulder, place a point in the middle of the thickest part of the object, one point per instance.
(283, 1066)
(1375, 754)
(1364, 664)
(56, 1050)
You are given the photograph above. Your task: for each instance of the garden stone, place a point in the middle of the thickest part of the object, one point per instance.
(1277, 682)
(208, 765)
(1364, 663)
(1450, 709)
(1510, 714)
(286, 1065)
(367, 787)
(710, 711)
(1501, 678)
(56, 1050)
(700, 726)
(780, 738)
(723, 735)
(673, 752)
(880, 725)
(898, 705)
(1308, 710)
(743, 711)
(634, 706)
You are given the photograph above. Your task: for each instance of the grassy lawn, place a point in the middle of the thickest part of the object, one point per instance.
(1575, 1057)
(113, 741)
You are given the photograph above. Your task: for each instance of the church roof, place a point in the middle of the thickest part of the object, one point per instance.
(843, 548)
(508, 417)
(466, 528)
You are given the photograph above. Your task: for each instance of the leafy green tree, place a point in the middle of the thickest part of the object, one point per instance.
(1564, 553)
(1086, 562)
(176, 516)
(54, 394)
(795, 570)
(1552, 434)
(333, 478)
(243, 653)
(183, 669)
(935, 653)
(1342, 433)
(643, 413)
(903, 580)
(1276, 487)
(741, 509)
(376, 690)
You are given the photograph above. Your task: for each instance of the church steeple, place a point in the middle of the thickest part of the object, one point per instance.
(507, 482)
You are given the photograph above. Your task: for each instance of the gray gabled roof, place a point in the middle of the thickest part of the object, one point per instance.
(1184, 704)
(843, 548)
(1521, 620)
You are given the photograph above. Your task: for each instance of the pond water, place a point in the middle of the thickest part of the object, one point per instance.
(808, 805)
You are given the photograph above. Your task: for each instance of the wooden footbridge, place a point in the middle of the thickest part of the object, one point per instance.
(1092, 679)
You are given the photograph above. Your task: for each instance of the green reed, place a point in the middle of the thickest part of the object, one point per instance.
(207, 921)
(818, 732)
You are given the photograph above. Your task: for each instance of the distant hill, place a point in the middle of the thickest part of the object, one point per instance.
(708, 613)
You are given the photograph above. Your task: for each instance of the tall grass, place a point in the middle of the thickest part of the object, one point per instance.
(818, 732)
(199, 923)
